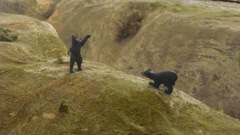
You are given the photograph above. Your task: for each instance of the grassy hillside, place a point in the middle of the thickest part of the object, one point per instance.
(197, 39)
(100, 99)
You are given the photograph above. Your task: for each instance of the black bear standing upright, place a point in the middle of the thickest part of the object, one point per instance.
(75, 51)
(168, 78)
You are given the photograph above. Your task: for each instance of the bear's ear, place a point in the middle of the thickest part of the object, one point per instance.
(149, 69)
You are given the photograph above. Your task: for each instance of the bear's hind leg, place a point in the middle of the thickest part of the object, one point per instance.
(72, 61)
(169, 90)
(79, 63)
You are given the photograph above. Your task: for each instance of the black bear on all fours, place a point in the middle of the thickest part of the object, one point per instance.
(168, 78)
(75, 51)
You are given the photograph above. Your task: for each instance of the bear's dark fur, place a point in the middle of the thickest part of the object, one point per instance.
(168, 78)
(75, 51)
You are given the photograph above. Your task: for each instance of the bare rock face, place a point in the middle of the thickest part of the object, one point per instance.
(199, 41)
(41, 9)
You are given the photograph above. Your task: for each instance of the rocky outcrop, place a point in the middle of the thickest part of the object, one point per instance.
(41, 9)
(32, 40)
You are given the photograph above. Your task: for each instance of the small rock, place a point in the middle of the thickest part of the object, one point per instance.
(85, 130)
(34, 117)
(13, 114)
(49, 115)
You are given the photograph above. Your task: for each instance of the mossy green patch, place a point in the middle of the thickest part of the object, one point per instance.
(7, 36)
(45, 45)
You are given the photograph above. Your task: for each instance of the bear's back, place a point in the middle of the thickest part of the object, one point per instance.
(167, 76)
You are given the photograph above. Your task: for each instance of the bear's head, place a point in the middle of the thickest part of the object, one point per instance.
(148, 73)
(75, 39)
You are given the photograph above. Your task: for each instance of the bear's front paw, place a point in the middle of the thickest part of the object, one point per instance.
(152, 84)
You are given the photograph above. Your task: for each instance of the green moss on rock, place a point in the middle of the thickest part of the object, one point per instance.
(7, 36)
(45, 45)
